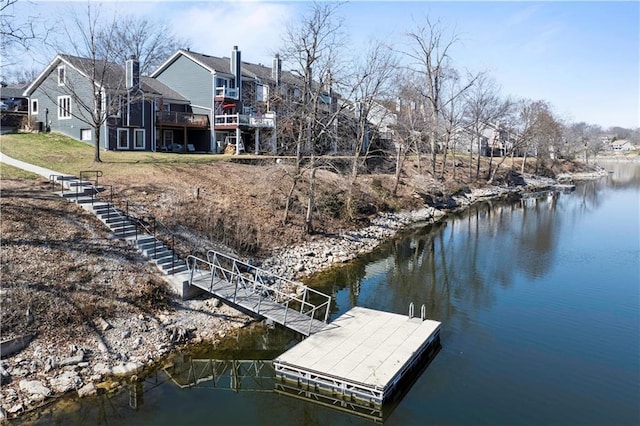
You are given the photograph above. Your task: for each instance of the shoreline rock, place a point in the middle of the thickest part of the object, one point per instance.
(309, 258)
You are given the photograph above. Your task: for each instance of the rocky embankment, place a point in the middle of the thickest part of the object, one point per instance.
(126, 346)
(306, 259)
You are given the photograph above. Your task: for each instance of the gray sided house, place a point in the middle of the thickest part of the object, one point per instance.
(126, 111)
(235, 95)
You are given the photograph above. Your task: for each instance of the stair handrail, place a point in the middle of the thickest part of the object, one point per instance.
(98, 174)
(234, 276)
(145, 222)
(124, 206)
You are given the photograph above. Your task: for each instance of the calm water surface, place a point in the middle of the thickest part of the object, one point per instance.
(540, 305)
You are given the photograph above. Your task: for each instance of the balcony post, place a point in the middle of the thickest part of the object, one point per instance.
(238, 138)
(257, 150)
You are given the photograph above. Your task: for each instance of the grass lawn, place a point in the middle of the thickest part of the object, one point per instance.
(10, 172)
(65, 155)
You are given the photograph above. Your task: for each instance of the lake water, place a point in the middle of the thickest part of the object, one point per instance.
(540, 305)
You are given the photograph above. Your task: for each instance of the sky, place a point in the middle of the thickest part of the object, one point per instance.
(583, 57)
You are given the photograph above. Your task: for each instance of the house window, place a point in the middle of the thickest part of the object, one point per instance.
(123, 139)
(61, 75)
(222, 82)
(64, 107)
(138, 139)
(34, 106)
(85, 134)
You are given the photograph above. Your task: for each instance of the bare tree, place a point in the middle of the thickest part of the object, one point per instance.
(312, 43)
(483, 110)
(411, 123)
(452, 122)
(150, 42)
(18, 34)
(429, 53)
(93, 56)
(533, 131)
(582, 139)
(23, 76)
(370, 87)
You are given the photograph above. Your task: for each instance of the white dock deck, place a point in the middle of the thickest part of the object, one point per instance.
(362, 354)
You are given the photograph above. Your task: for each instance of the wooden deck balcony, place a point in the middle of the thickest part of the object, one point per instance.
(183, 119)
(234, 120)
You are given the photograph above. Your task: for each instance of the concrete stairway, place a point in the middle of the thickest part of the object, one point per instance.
(86, 194)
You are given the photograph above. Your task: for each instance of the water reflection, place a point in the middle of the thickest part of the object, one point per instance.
(455, 265)
(259, 375)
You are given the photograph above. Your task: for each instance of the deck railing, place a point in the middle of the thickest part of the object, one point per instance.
(264, 120)
(183, 118)
(249, 279)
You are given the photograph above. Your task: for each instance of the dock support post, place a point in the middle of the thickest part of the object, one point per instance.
(411, 310)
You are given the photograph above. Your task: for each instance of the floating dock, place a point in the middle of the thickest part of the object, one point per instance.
(358, 360)
(360, 356)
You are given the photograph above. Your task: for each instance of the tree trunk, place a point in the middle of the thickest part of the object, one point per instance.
(471, 160)
(296, 177)
(444, 156)
(311, 202)
(396, 181)
(478, 159)
(490, 162)
(434, 150)
(287, 205)
(352, 182)
(96, 152)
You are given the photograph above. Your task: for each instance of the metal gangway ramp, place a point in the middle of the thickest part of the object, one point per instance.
(282, 301)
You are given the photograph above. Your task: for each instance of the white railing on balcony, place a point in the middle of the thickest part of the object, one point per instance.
(226, 92)
(264, 120)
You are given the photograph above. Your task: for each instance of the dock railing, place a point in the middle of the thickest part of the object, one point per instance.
(251, 281)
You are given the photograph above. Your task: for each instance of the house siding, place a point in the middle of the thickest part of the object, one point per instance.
(192, 81)
(139, 115)
(49, 91)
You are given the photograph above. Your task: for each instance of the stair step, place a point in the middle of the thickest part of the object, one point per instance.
(167, 260)
(85, 200)
(124, 230)
(73, 194)
(170, 265)
(107, 212)
(126, 234)
(66, 178)
(160, 253)
(78, 182)
(177, 269)
(114, 218)
(143, 240)
(103, 206)
(120, 224)
(150, 245)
